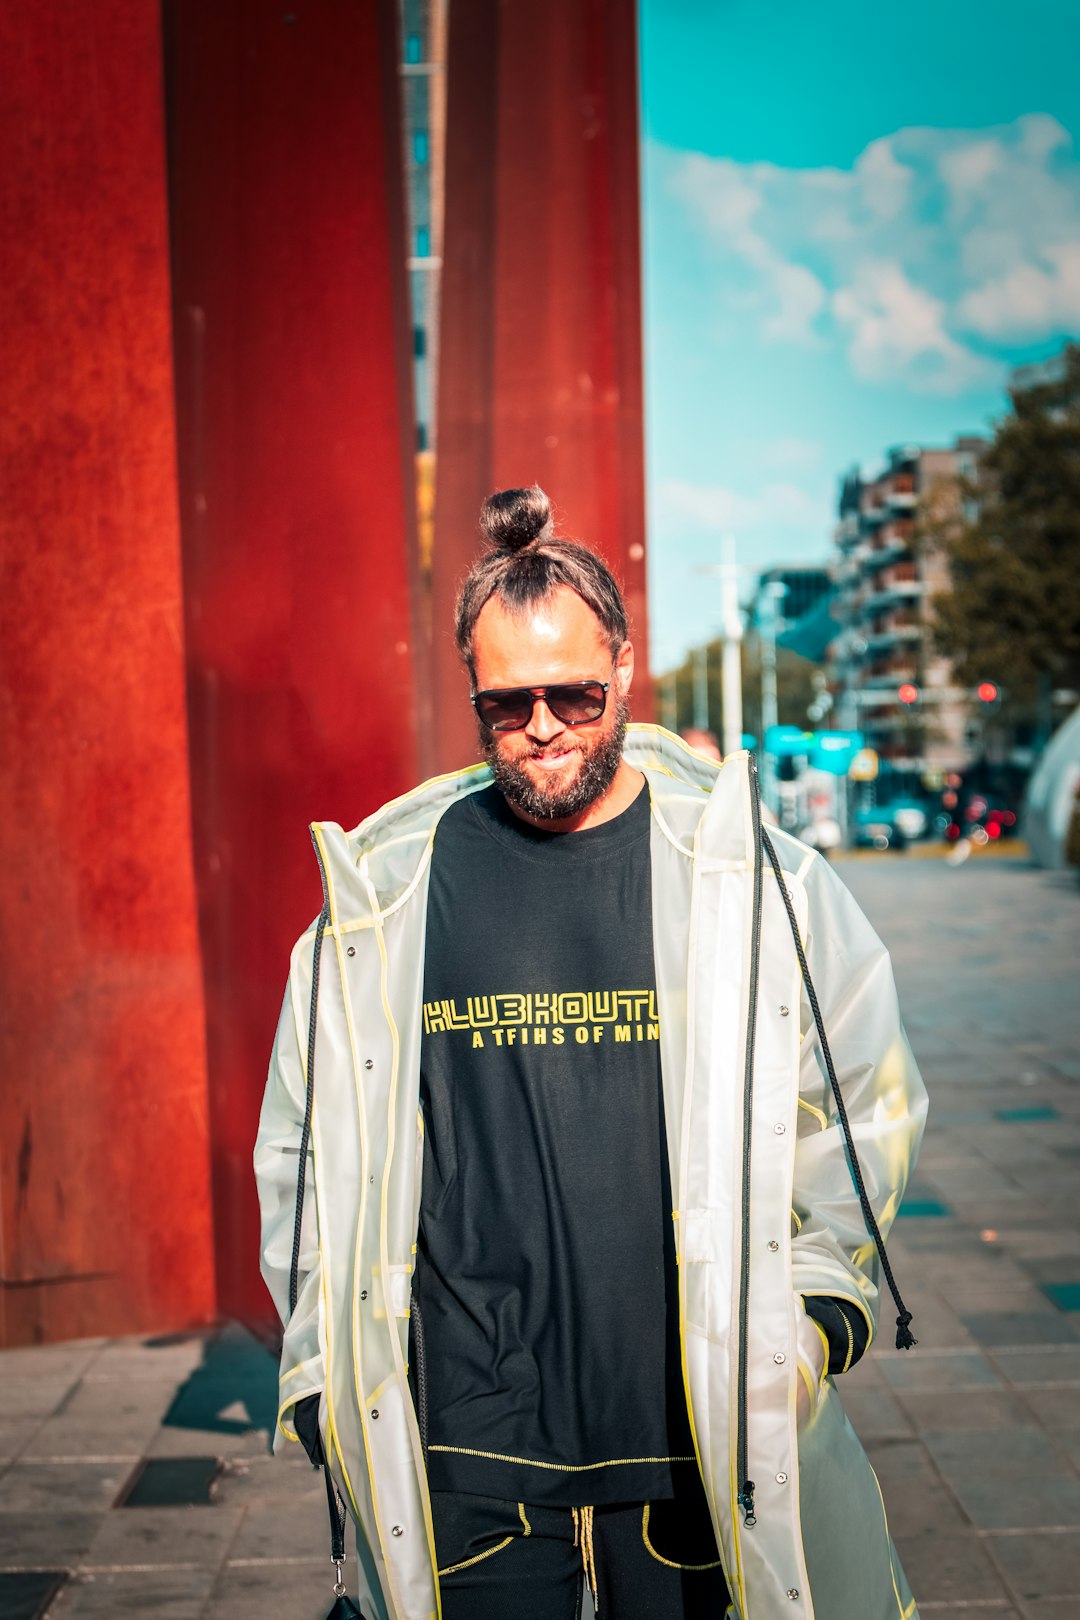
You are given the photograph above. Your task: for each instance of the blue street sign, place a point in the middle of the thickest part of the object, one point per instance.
(784, 741)
(833, 751)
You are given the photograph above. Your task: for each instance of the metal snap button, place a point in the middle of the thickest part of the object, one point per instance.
(369, 1063)
(779, 1358)
(781, 1479)
(363, 1293)
(397, 1530)
(374, 1411)
(351, 951)
(793, 1591)
(784, 1011)
(779, 1129)
(773, 1245)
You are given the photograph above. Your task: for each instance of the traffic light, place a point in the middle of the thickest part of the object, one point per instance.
(987, 692)
(908, 693)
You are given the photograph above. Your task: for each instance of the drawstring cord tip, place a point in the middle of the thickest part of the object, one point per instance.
(905, 1339)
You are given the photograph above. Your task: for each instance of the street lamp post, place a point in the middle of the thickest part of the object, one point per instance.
(773, 593)
(732, 666)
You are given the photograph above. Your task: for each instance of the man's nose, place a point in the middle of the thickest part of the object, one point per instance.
(544, 726)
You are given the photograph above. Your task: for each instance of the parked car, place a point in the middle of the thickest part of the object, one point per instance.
(893, 825)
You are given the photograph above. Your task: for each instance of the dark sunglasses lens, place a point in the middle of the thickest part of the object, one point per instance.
(576, 705)
(504, 711)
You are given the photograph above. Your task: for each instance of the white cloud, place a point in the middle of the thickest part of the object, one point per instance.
(793, 455)
(933, 247)
(718, 509)
(896, 328)
(1022, 303)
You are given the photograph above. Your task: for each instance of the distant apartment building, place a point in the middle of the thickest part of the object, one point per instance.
(882, 653)
(423, 111)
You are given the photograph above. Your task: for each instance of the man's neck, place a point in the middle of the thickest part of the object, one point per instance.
(624, 789)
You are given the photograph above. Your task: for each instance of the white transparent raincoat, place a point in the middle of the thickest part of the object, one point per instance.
(820, 1546)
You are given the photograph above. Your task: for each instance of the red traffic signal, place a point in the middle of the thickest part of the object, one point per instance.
(988, 692)
(908, 693)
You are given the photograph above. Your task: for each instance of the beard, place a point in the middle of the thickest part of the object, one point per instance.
(599, 764)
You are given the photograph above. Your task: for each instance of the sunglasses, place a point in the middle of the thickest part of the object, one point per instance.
(510, 708)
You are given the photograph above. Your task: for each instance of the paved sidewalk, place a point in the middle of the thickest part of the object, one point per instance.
(975, 1435)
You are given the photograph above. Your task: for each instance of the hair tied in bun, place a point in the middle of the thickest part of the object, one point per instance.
(513, 518)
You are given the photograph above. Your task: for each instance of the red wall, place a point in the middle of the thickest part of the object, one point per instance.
(104, 1169)
(540, 364)
(297, 498)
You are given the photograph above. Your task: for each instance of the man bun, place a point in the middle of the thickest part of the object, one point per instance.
(512, 519)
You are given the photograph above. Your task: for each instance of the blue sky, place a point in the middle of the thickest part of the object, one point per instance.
(857, 219)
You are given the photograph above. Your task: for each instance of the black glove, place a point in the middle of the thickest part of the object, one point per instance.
(306, 1423)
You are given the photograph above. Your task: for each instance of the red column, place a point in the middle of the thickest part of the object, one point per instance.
(297, 498)
(540, 365)
(104, 1164)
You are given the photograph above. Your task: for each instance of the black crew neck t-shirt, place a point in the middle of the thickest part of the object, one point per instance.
(545, 1302)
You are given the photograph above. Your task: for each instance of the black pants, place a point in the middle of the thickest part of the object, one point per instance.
(509, 1561)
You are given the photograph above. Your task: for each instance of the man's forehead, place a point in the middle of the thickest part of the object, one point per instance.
(556, 636)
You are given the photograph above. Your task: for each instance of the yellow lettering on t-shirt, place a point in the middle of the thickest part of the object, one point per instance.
(557, 1036)
(477, 1039)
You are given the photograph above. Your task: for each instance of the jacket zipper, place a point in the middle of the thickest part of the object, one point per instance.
(746, 1484)
(421, 1377)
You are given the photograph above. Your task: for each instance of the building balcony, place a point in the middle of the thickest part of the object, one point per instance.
(898, 590)
(890, 550)
(893, 636)
(903, 500)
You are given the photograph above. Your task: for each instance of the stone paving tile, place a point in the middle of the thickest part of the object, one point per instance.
(299, 1528)
(874, 1414)
(53, 1539)
(166, 1594)
(52, 1363)
(15, 1435)
(1002, 1504)
(951, 1567)
(963, 1409)
(1030, 1369)
(162, 1360)
(1058, 1409)
(36, 1486)
(200, 1536)
(34, 1397)
(301, 1590)
(964, 1369)
(1017, 1328)
(1019, 1453)
(1038, 1565)
(170, 1441)
(103, 1419)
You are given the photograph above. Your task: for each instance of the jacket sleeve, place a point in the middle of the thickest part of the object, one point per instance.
(277, 1149)
(833, 1254)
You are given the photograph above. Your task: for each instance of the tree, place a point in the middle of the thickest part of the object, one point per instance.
(1012, 541)
(795, 689)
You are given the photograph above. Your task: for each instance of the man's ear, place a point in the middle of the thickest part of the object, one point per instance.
(624, 667)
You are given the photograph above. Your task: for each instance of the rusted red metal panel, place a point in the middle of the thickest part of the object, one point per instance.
(297, 497)
(540, 366)
(104, 1158)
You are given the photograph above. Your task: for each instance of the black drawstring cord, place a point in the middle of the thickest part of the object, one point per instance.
(904, 1337)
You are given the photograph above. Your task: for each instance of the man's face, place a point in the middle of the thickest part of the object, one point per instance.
(551, 772)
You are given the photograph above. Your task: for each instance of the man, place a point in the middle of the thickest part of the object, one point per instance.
(581, 1250)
